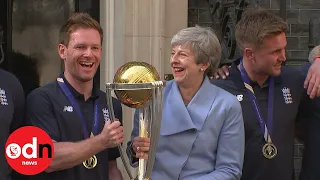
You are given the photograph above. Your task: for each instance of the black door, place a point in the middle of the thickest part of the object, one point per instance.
(5, 36)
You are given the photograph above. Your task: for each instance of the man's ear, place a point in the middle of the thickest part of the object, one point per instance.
(248, 53)
(62, 51)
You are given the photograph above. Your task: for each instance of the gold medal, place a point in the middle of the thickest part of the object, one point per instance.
(269, 150)
(91, 162)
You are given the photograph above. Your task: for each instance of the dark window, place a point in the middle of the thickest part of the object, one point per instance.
(30, 33)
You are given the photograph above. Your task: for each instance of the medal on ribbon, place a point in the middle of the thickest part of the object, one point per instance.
(92, 161)
(269, 150)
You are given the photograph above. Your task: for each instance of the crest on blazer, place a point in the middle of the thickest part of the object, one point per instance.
(287, 95)
(3, 97)
(106, 115)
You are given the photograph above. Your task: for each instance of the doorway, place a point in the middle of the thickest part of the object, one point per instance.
(29, 37)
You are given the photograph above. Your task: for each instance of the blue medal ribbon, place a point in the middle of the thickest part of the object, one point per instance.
(75, 105)
(266, 128)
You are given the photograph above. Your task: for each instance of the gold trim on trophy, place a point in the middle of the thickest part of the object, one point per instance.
(269, 151)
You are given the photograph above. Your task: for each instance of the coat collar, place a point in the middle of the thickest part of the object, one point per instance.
(176, 117)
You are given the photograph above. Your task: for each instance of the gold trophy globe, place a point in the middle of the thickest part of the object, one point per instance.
(137, 85)
(133, 73)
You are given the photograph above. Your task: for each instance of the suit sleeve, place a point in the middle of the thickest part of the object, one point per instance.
(19, 106)
(135, 132)
(307, 107)
(230, 150)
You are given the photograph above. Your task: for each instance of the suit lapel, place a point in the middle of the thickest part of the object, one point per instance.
(176, 117)
(201, 104)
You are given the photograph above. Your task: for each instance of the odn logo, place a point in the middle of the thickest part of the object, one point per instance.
(29, 150)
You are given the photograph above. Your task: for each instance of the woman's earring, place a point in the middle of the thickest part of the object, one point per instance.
(201, 70)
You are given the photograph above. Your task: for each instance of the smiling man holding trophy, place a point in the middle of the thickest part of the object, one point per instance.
(137, 85)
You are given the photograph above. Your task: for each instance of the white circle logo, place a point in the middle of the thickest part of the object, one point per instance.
(13, 151)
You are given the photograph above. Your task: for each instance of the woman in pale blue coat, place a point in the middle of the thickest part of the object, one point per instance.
(202, 131)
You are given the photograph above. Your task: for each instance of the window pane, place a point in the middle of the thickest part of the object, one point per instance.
(35, 28)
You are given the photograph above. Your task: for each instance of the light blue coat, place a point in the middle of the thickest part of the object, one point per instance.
(201, 141)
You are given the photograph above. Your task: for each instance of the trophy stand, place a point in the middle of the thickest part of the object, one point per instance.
(145, 95)
(144, 116)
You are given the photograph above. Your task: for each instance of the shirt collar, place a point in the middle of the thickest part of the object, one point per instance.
(236, 75)
(76, 94)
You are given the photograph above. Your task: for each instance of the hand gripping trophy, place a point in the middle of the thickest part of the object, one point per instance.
(137, 85)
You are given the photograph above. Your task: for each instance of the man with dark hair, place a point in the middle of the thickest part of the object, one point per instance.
(270, 95)
(74, 112)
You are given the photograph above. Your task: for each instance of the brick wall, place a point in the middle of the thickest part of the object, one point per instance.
(299, 12)
(199, 13)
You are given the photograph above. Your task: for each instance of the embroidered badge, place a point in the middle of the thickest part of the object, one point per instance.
(287, 95)
(105, 112)
(68, 108)
(240, 97)
(3, 97)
